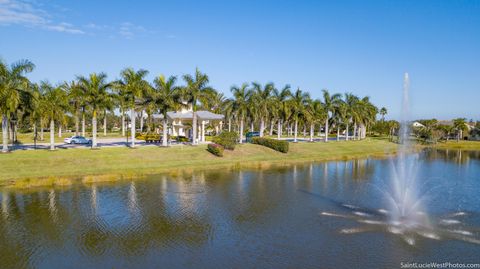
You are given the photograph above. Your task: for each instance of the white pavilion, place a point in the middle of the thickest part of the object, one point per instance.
(180, 122)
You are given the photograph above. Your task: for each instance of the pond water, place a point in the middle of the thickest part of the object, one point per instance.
(238, 219)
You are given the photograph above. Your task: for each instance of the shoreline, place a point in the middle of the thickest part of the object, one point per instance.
(25, 170)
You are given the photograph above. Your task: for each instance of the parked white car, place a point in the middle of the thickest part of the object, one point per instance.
(76, 139)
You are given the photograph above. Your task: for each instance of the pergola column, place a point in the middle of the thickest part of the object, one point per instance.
(203, 131)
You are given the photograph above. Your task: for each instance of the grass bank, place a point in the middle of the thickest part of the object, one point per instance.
(64, 166)
(463, 145)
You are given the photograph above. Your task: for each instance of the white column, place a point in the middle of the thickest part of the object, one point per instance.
(203, 131)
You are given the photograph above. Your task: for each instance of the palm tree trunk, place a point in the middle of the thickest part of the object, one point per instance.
(105, 123)
(141, 121)
(304, 130)
(94, 129)
(59, 130)
(15, 132)
(262, 127)
(296, 130)
(194, 128)
(271, 127)
(10, 131)
(123, 122)
(229, 124)
(77, 122)
(251, 126)
(326, 130)
(34, 130)
(42, 137)
(346, 133)
(241, 132)
(279, 129)
(165, 134)
(312, 127)
(338, 133)
(4, 133)
(83, 123)
(355, 130)
(132, 132)
(52, 135)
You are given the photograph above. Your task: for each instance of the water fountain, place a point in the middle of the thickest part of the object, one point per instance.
(405, 215)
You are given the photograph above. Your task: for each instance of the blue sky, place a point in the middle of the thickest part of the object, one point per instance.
(363, 47)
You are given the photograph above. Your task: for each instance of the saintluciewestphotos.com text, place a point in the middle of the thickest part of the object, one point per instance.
(438, 265)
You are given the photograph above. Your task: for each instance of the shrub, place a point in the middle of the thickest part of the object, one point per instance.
(215, 149)
(277, 145)
(152, 137)
(227, 139)
(182, 139)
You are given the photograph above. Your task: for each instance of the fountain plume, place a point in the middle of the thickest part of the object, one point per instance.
(405, 215)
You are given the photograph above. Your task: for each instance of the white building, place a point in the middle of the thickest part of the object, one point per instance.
(180, 122)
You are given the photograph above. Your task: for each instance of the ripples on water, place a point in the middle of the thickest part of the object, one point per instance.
(241, 219)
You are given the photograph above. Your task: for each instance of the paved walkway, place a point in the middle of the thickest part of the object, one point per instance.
(101, 142)
(122, 142)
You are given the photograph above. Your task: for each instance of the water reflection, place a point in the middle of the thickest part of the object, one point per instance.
(267, 218)
(452, 155)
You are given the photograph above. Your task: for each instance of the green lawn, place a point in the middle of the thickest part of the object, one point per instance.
(78, 163)
(116, 162)
(464, 145)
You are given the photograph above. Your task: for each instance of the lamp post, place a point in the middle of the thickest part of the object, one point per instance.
(14, 130)
(35, 137)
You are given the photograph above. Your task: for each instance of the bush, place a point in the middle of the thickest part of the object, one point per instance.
(182, 139)
(151, 138)
(227, 139)
(277, 145)
(215, 149)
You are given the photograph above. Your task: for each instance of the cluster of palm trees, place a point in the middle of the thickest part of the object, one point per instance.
(43, 105)
(293, 110)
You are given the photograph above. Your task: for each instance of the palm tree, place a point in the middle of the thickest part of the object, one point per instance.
(97, 96)
(133, 85)
(367, 115)
(351, 113)
(241, 105)
(262, 99)
(122, 99)
(228, 111)
(164, 96)
(298, 102)
(12, 83)
(77, 102)
(109, 105)
(195, 90)
(318, 115)
(54, 104)
(329, 106)
(339, 115)
(383, 112)
(460, 124)
(280, 107)
(33, 109)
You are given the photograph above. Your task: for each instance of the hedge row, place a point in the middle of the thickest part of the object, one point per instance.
(278, 145)
(227, 139)
(215, 149)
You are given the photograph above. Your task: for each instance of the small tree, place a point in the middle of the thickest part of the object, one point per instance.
(460, 125)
